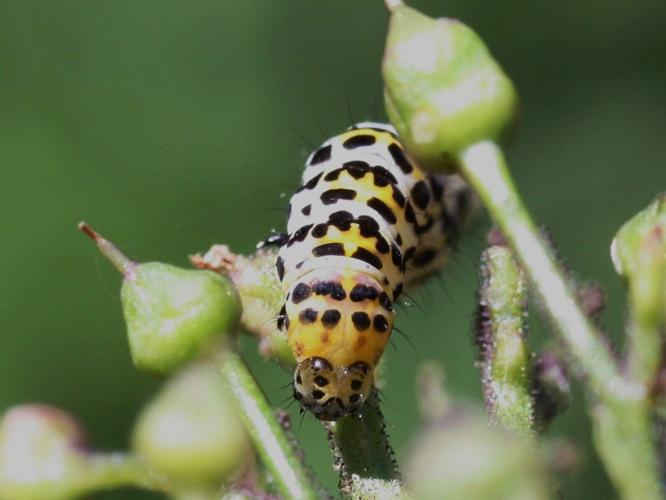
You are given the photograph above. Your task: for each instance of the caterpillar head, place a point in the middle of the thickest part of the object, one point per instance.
(331, 392)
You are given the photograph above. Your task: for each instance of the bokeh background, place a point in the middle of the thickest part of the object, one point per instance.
(173, 125)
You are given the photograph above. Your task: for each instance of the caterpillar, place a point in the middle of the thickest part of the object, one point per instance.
(365, 221)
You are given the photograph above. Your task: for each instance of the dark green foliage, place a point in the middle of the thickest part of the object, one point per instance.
(173, 128)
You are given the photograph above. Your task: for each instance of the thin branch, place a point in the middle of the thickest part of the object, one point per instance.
(267, 435)
(362, 450)
(622, 416)
(117, 470)
(484, 167)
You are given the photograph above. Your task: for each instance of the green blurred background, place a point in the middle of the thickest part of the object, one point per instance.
(173, 125)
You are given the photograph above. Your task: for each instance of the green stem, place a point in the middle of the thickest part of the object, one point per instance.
(622, 428)
(484, 168)
(198, 494)
(647, 291)
(116, 470)
(363, 454)
(505, 355)
(625, 442)
(123, 263)
(645, 351)
(363, 443)
(268, 437)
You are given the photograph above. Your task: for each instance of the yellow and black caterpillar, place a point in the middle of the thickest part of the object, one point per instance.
(364, 221)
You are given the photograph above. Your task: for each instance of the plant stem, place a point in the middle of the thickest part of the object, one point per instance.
(484, 168)
(116, 470)
(363, 454)
(363, 443)
(622, 419)
(123, 263)
(647, 291)
(504, 353)
(624, 439)
(268, 437)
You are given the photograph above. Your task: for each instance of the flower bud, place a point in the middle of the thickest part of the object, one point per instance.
(646, 226)
(638, 252)
(463, 457)
(41, 454)
(190, 432)
(443, 89)
(173, 315)
(256, 280)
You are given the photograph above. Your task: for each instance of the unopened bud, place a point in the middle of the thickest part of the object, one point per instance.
(464, 457)
(42, 454)
(443, 89)
(648, 227)
(639, 255)
(173, 315)
(190, 433)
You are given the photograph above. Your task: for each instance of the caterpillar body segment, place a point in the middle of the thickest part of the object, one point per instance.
(364, 221)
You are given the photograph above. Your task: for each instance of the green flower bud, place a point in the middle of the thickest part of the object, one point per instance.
(443, 89)
(258, 286)
(190, 433)
(463, 457)
(638, 252)
(173, 315)
(645, 227)
(42, 454)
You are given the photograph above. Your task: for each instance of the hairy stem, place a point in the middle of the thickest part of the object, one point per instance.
(622, 419)
(363, 443)
(484, 167)
(362, 450)
(268, 437)
(505, 356)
